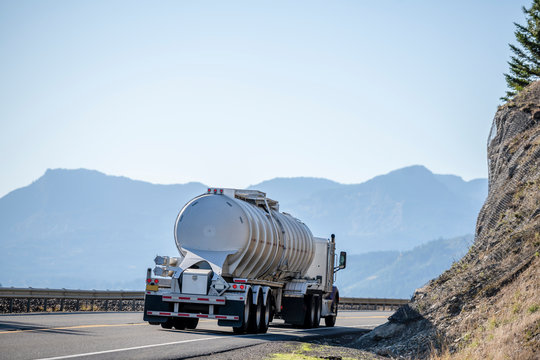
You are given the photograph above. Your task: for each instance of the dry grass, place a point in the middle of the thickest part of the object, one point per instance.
(509, 328)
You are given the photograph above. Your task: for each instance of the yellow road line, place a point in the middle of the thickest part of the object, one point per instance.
(70, 327)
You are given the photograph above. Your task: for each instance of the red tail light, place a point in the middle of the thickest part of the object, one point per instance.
(234, 286)
(149, 280)
(156, 280)
(242, 287)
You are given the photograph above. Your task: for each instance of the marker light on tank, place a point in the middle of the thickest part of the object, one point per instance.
(241, 287)
(156, 280)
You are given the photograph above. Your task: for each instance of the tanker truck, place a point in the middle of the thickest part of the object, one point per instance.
(243, 263)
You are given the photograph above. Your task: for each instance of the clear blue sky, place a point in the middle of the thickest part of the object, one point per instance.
(231, 93)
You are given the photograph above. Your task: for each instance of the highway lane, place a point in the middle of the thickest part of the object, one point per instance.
(123, 335)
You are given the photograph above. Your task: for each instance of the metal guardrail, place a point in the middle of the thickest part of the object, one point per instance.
(30, 299)
(70, 294)
(371, 303)
(45, 300)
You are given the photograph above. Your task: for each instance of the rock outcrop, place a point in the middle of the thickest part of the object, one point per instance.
(488, 303)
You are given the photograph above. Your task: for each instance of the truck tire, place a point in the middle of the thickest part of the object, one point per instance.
(167, 324)
(330, 320)
(245, 317)
(255, 316)
(309, 317)
(317, 319)
(265, 314)
(192, 323)
(179, 324)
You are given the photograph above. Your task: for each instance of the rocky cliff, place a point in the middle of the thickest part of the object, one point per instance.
(487, 305)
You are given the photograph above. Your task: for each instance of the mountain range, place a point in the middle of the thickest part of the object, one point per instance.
(84, 229)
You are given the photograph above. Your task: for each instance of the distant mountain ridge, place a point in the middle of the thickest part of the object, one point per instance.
(82, 228)
(395, 211)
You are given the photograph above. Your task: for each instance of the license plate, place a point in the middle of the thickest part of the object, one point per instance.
(152, 287)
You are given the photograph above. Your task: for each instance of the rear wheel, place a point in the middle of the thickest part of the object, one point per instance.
(192, 323)
(255, 316)
(265, 314)
(317, 319)
(167, 324)
(246, 316)
(179, 324)
(309, 317)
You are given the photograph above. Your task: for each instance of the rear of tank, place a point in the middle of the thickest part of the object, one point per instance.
(244, 240)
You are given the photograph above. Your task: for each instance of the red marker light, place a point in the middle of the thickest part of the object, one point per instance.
(149, 280)
(221, 191)
(241, 287)
(156, 280)
(234, 286)
(209, 190)
(215, 191)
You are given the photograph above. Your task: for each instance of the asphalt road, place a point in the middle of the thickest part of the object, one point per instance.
(123, 335)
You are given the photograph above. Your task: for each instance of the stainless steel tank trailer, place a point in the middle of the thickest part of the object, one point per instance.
(242, 262)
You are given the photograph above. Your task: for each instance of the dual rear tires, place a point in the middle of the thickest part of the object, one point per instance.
(256, 317)
(312, 316)
(180, 323)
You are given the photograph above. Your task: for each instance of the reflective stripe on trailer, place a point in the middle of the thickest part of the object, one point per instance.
(190, 315)
(198, 299)
(195, 299)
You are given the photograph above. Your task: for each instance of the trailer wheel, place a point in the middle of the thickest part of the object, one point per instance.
(255, 316)
(309, 317)
(167, 324)
(192, 323)
(265, 314)
(246, 317)
(179, 324)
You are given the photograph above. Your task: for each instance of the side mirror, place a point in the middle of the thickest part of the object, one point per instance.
(342, 260)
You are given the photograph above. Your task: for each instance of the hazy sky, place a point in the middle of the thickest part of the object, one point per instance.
(231, 93)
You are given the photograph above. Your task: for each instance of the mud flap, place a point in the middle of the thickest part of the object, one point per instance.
(155, 303)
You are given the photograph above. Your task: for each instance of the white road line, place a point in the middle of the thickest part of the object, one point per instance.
(130, 348)
(288, 332)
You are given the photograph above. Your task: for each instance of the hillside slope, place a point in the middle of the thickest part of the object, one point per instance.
(488, 304)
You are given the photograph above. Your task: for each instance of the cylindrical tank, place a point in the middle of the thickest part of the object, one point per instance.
(249, 238)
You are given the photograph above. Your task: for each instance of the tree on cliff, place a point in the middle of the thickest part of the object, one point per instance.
(525, 61)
